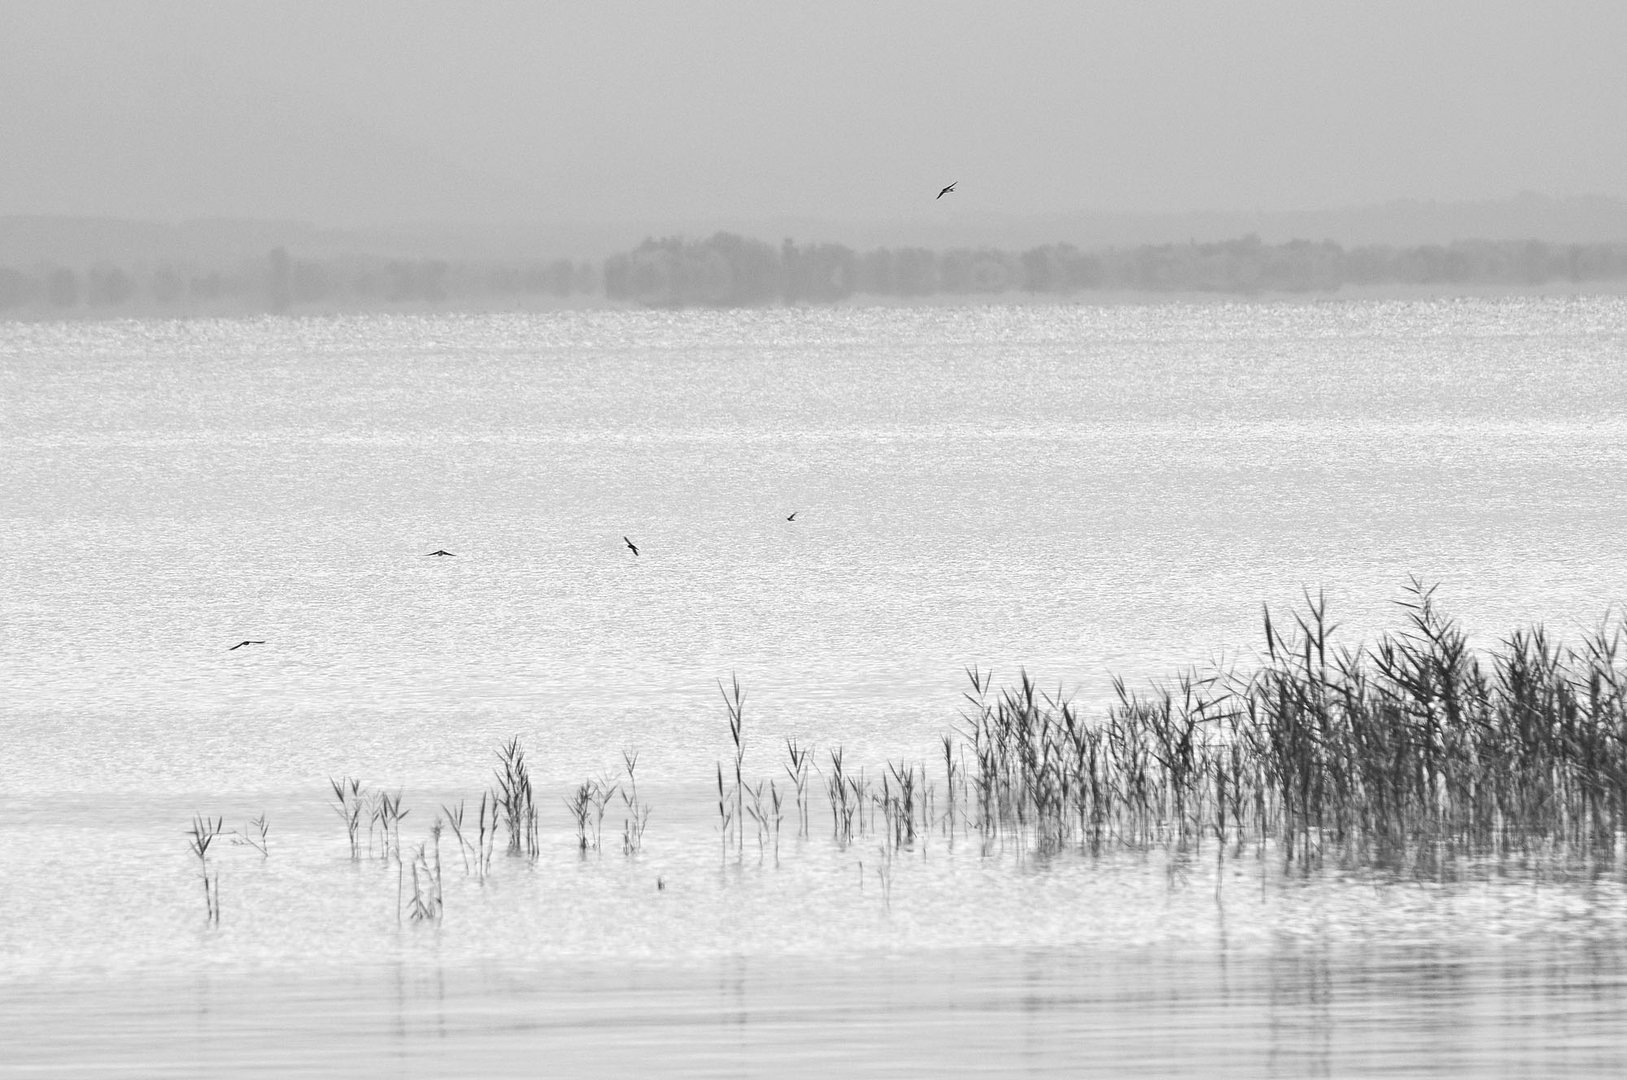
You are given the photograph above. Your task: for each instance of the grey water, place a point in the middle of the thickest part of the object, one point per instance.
(1079, 491)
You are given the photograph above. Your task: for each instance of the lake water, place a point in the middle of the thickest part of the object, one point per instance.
(1081, 491)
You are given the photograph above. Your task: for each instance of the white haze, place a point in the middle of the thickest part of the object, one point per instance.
(373, 112)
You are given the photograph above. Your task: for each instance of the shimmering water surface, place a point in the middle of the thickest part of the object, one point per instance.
(1086, 491)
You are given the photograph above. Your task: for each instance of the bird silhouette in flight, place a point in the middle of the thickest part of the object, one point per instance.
(946, 191)
(440, 553)
(793, 516)
(240, 644)
(631, 545)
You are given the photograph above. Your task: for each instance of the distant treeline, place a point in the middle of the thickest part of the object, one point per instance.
(729, 270)
(281, 282)
(733, 271)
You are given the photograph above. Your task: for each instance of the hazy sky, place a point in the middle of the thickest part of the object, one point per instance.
(345, 112)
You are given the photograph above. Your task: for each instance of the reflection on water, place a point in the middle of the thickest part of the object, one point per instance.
(976, 959)
(1298, 1010)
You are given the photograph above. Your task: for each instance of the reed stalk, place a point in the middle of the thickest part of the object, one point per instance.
(203, 834)
(428, 900)
(351, 800)
(735, 703)
(386, 815)
(255, 835)
(798, 762)
(636, 813)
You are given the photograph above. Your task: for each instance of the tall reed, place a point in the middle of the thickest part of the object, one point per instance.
(841, 790)
(899, 803)
(587, 807)
(480, 841)
(386, 815)
(798, 761)
(636, 814)
(351, 801)
(735, 704)
(515, 799)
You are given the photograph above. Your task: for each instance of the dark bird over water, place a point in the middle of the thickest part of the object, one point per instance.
(440, 553)
(631, 545)
(793, 516)
(946, 191)
(240, 644)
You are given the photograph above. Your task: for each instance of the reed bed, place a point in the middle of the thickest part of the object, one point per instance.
(1413, 748)
(1413, 740)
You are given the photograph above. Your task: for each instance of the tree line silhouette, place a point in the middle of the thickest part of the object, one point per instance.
(727, 270)
(281, 282)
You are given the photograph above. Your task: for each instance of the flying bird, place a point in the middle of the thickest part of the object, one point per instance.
(946, 191)
(631, 545)
(440, 553)
(240, 644)
(793, 516)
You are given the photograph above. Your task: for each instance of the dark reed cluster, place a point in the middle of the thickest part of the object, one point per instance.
(1369, 751)
(513, 797)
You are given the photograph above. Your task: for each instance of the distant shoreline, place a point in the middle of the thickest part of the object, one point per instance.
(1090, 298)
(1153, 297)
(727, 271)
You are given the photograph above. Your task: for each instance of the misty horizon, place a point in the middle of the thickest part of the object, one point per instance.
(32, 239)
(715, 117)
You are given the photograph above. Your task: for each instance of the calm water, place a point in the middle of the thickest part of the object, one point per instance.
(1084, 491)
